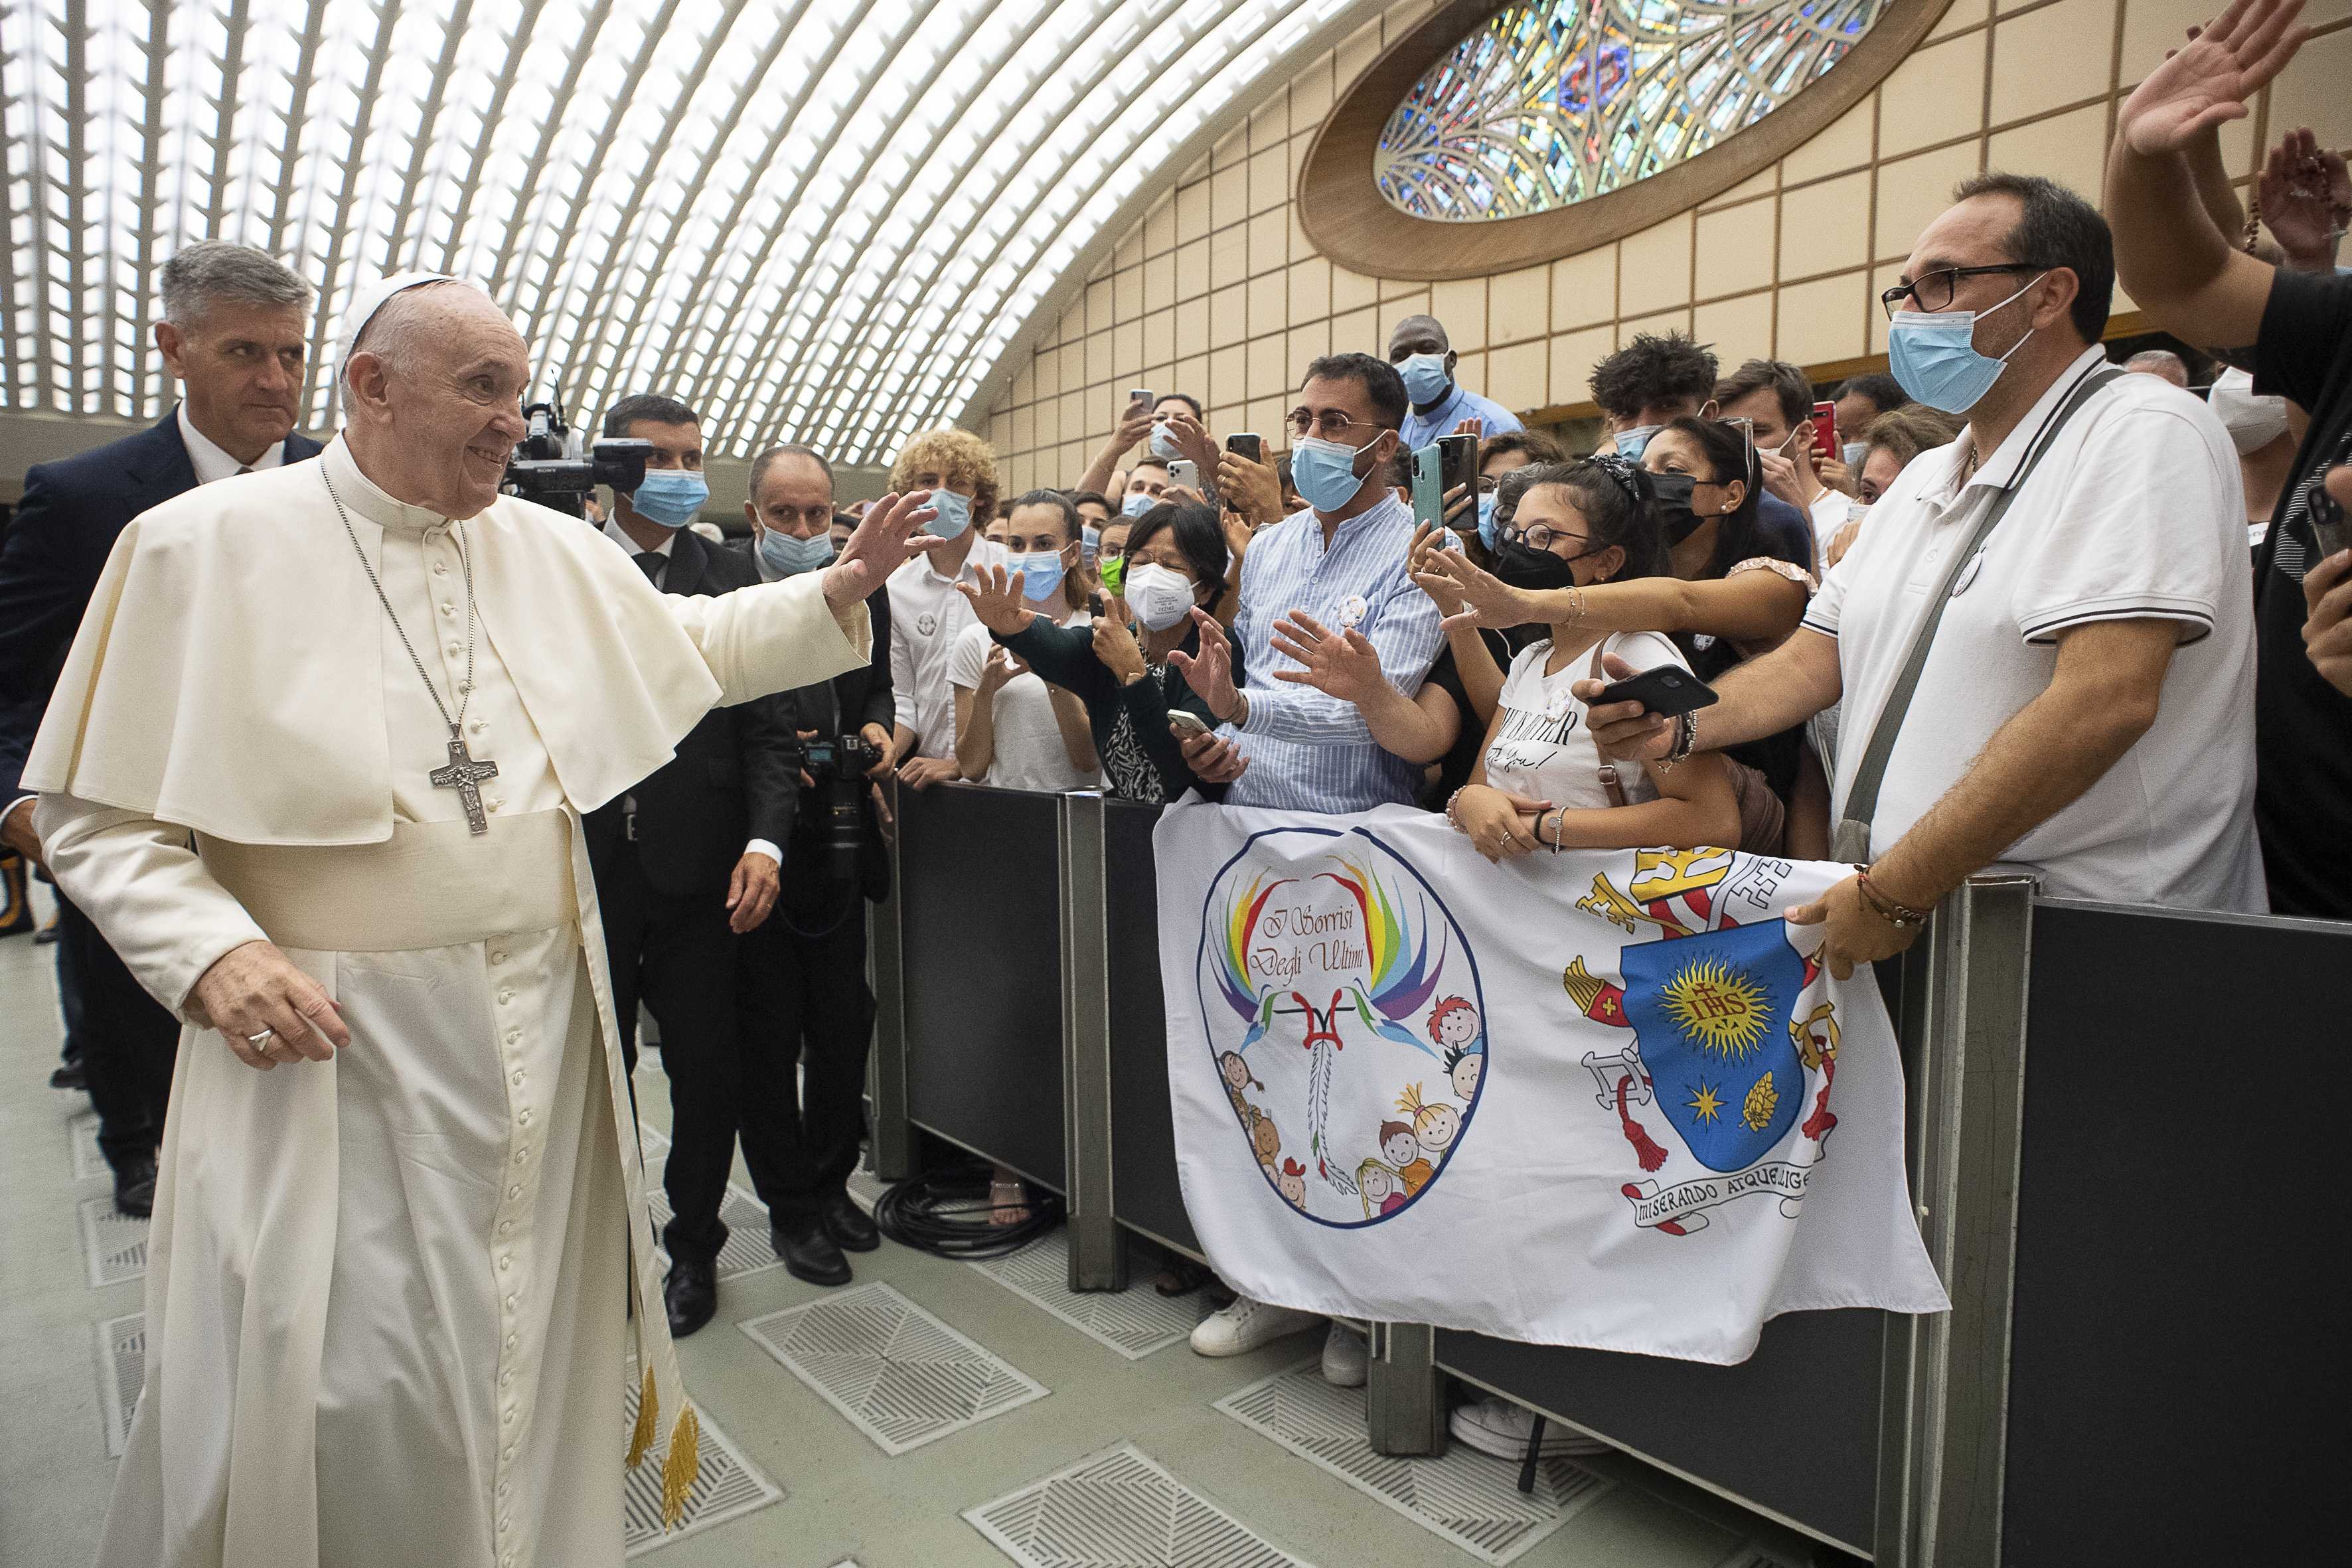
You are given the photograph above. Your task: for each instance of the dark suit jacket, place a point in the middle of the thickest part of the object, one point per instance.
(844, 705)
(56, 547)
(736, 774)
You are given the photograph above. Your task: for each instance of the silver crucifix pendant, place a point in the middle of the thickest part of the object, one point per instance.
(465, 775)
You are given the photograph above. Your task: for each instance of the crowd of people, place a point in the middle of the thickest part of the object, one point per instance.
(1991, 608)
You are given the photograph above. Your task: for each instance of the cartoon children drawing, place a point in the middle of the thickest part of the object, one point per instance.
(1465, 1064)
(1293, 1182)
(1398, 1147)
(1434, 1127)
(1378, 1187)
(1454, 1024)
(1237, 1074)
(1263, 1139)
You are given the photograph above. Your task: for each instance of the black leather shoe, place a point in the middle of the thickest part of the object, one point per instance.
(69, 1075)
(808, 1253)
(851, 1227)
(691, 1295)
(134, 1189)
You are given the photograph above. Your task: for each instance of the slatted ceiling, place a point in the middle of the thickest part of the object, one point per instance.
(820, 220)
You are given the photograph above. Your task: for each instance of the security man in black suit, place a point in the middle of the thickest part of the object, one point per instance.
(233, 334)
(805, 1001)
(688, 862)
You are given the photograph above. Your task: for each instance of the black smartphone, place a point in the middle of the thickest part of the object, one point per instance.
(1668, 689)
(1246, 445)
(1460, 461)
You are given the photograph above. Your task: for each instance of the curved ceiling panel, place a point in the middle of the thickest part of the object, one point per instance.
(826, 221)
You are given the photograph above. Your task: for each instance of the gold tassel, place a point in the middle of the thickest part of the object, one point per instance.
(648, 1412)
(683, 1464)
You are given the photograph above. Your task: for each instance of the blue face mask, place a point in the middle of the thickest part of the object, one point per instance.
(1933, 354)
(1426, 380)
(1325, 471)
(1632, 444)
(1041, 573)
(1486, 519)
(1089, 544)
(670, 496)
(1163, 444)
(954, 514)
(1136, 503)
(788, 557)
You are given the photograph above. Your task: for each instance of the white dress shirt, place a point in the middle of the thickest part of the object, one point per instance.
(211, 462)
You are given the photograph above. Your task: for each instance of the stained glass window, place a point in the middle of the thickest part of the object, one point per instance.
(1556, 101)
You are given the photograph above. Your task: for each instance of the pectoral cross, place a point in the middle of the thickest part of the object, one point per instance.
(465, 775)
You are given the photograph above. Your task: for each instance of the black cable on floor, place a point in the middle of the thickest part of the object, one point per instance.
(946, 1213)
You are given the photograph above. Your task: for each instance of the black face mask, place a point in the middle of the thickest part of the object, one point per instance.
(1534, 570)
(1675, 514)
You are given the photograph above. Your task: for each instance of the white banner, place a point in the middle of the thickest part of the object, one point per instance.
(1587, 1099)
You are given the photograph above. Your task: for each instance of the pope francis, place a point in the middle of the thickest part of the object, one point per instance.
(315, 766)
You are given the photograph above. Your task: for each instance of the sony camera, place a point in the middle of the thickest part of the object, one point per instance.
(556, 466)
(838, 767)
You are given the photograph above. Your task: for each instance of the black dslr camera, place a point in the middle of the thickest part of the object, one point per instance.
(839, 766)
(554, 466)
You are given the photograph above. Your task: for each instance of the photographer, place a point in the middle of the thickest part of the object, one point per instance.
(804, 1002)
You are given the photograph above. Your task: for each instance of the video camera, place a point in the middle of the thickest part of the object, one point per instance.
(839, 767)
(554, 466)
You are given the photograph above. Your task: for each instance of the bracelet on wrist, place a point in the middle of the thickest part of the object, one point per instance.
(1453, 810)
(1893, 910)
(1686, 737)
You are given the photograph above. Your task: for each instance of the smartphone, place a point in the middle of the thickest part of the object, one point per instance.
(1429, 486)
(1825, 441)
(1461, 462)
(2327, 523)
(1666, 690)
(1186, 472)
(1186, 723)
(1140, 395)
(1246, 445)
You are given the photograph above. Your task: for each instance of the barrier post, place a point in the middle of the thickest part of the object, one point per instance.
(1404, 1400)
(894, 1135)
(1097, 1255)
(1944, 1425)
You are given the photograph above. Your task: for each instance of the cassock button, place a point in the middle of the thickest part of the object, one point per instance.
(506, 1265)
(505, 996)
(524, 1117)
(454, 650)
(512, 1036)
(518, 1073)
(505, 1225)
(505, 1377)
(505, 1486)
(511, 1301)
(494, 803)
(498, 955)
(480, 725)
(507, 1419)
(440, 569)
(515, 1192)
(521, 1155)
(503, 1524)
(511, 1342)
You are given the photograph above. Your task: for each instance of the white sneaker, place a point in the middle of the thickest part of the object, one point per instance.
(1245, 1325)
(1499, 1427)
(1345, 1356)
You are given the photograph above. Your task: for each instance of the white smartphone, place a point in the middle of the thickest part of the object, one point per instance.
(1187, 724)
(1186, 472)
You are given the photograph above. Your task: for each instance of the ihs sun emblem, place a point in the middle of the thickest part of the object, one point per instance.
(1719, 1008)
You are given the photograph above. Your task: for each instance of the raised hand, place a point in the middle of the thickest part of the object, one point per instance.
(886, 536)
(2304, 193)
(1346, 666)
(1001, 668)
(1134, 424)
(2211, 78)
(1481, 598)
(996, 601)
(1193, 440)
(1116, 648)
(1211, 672)
(1253, 489)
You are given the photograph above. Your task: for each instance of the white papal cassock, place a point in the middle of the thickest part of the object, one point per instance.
(385, 1294)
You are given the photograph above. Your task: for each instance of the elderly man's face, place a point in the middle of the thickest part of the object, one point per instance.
(453, 413)
(796, 498)
(240, 368)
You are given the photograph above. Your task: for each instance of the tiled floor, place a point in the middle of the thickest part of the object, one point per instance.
(904, 1422)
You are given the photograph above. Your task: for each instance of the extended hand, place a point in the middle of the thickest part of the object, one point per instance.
(2210, 80)
(1624, 732)
(2303, 188)
(1481, 598)
(1211, 672)
(1213, 759)
(1114, 642)
(255, 987)
(1193, 440)
(751, 892)
(1852, 931)
(1253, 489)
(996, 601)
(888, 534)
(1346, 666)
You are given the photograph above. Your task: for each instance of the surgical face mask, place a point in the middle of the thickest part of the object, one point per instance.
(1114, 569)
(1163, 442)
(1487, 519)
(1040, 573)
(1632, 444)
(1325, 471)
(670, 496)
(1676, 514)
(954, 514)
(787, 556)
(1136, 503)
(1853, 452)
(1426, 380)
(1159, 596)
(1934, 355)
(1089, 544)
(2254, 423)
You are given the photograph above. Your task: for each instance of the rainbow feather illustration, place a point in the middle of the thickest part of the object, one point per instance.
(1233, 959)
(1401, 977)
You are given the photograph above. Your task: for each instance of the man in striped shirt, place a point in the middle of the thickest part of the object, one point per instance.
(1342, 562)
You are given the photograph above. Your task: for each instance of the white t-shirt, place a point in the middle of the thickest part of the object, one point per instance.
(927, 615)
(1831, 511)
(1028, 752)
(1544, 749)
(2133, 513)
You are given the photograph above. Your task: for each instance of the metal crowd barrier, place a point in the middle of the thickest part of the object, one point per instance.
(2141, 1362)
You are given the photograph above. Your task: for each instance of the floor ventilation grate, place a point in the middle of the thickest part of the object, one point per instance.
(748, 1249)
(727, 1488)
(1135, 1323)
(1468, 1498)
(1120, 1508)
(113, 1244)
(122, 1372)
(88, 1164)
(897, 1373)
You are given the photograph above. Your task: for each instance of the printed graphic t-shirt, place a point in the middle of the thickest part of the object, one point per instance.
(1544, 748)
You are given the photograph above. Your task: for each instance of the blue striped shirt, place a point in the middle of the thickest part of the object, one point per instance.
(1308, 751)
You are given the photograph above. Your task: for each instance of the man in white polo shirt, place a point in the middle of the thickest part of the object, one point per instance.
(2084, 712)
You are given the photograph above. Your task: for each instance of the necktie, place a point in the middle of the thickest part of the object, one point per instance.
(650, 562)
(245, 467)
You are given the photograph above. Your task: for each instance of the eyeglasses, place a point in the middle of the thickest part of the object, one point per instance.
(1332, 425)
(1542, 537)
(1934, 290)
